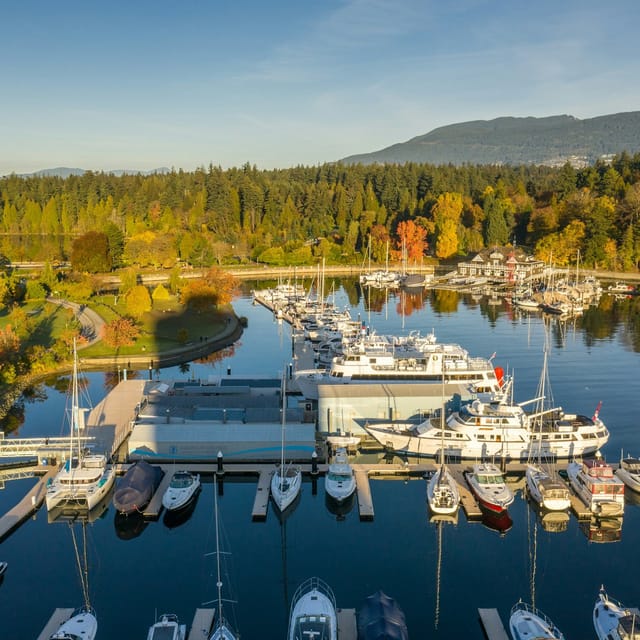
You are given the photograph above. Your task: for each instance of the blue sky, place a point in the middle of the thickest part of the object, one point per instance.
(140, 85)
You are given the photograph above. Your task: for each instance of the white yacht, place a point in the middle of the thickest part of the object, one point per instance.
(340, 482)
(594, 481)
(492, 426)
(182, 489)
(629, 472)
(313, 612)
(548, 491)
(414, 359)
(528, 623)
(167, 628)
(85, 478)
(489, 487)
(82, 624)
(613, 621)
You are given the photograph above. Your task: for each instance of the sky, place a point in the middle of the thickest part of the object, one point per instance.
(140, 85)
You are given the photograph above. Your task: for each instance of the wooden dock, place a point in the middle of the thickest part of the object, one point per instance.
(202, 624)
(28, 505)
(467, 501)
(492, 624)
(347, 627)
(58, 617)
(261, 502)
(154, 507)
(363, 490)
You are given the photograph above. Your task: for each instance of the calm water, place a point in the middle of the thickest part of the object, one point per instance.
(154, 568)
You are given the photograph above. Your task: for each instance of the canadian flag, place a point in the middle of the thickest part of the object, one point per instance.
(597, 411)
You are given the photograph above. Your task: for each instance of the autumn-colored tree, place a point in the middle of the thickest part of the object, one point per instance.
(90, 253)
(121, 332)
(379, 243)
(561, 247)
(138, 301)
(160, 293)
(447, 213)
(414, 239)
(223, 283)
(199, 296)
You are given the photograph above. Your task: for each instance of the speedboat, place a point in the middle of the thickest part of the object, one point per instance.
(82, 624)
(551, 494)
(629, 472)
(528, 623)
(313, 612)
(340, 482)
(167, 628)
(137, 487)
(594, 481)
(181, 490)
(613, 621)
(487, 484)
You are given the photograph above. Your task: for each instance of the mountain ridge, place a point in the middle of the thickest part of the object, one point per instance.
(551, 140)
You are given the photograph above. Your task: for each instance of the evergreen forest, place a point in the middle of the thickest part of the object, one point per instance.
(341, 213)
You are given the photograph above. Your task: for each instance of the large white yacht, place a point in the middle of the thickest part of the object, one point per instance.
(313, 612)
(493, 426)
(412, 359)
(85, 478)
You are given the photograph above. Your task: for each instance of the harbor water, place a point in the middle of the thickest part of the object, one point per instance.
(440, 573)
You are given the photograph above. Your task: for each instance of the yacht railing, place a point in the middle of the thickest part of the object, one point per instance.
(312, 584)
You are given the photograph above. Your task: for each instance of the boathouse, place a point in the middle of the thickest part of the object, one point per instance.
(503, 265)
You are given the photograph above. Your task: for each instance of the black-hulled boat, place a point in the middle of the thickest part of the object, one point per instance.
(137, 487)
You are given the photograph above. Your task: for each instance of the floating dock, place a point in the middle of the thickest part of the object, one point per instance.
(492, 624)
(347, 627)
(202, 624)
(58, 617)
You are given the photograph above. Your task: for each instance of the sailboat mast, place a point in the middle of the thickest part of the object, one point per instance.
(219, 581)
(75, 409)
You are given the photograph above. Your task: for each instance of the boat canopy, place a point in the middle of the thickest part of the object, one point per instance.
(380, 618)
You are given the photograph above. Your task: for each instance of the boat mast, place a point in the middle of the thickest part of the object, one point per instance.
(75, 410)
(220, 617)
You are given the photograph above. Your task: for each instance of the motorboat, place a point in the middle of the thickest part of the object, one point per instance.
(381, 617)
(528, 623)
(182, 489)
(613, 621)
(340, 482)
(137, 487)
(598, 487)
(86, 477)
(549, 492)
(487, 484)
(167, 627)
(629, 472)
(493, 426)
(412, 359)
(82, 624)
(313, 612)
(443, 495)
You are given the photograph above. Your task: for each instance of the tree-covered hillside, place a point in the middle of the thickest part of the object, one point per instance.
(548, 141)
(300, 215)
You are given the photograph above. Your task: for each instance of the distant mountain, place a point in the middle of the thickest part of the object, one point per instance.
(549, 141)
(65, 172)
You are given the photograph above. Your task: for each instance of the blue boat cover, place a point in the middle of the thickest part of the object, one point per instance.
(380, 618)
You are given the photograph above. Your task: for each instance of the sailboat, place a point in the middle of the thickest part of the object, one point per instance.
(544, 486)
(442, 489)
(286, 481)
(85, 478)
(83, 623)
(222, 629)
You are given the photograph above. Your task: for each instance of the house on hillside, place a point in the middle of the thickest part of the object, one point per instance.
(504, 265)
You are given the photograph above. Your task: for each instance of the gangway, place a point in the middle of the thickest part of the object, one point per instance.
(57, 447)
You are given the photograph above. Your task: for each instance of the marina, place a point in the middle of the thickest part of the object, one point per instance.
(383, 539)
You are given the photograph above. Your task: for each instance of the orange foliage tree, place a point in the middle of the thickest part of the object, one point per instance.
(414, 238)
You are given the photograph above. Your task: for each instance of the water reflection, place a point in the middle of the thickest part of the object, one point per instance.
(176, 518)
(129, 526)
(602, 529)
(339, 509)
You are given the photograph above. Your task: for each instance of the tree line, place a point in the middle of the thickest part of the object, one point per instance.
(340, 213)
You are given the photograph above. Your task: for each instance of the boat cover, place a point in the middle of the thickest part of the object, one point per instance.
(137, 487)
(380, 618)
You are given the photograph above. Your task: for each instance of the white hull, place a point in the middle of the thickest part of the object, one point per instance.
(520, 446)
(629, 473)
(181, 490)
(528, 623)
(84, 487)
(549, 494)
(167, 628)
(488, 486)
(599, 503)
(81, 625)
(313, 612)
(609, 616)
(285, 487)
(443, 495)
(340, 483)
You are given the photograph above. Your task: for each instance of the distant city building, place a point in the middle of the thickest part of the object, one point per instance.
(509, 265)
